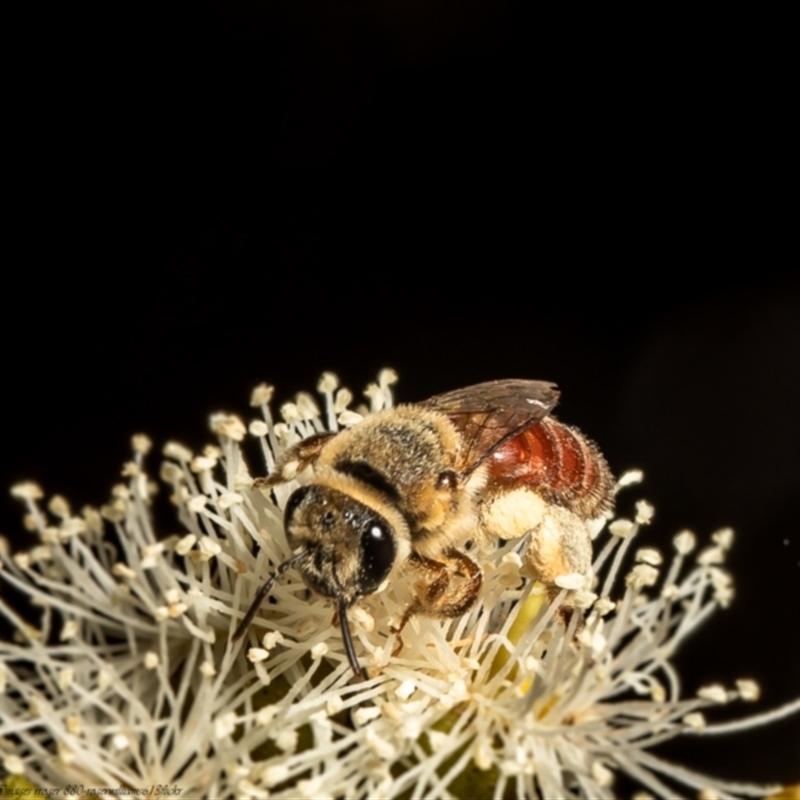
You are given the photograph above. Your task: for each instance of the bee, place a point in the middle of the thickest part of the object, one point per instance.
(404, 490)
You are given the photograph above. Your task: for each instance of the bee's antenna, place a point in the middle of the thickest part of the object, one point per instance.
(262, 594)
(348, 639)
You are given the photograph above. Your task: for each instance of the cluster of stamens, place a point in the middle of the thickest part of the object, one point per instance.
(128, 675)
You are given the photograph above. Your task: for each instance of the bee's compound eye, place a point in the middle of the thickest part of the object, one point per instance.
(378, 552)
(295, 498)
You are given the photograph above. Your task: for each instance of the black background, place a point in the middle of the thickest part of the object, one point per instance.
(219, 194)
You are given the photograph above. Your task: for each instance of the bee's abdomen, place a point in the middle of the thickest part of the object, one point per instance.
(557, 462)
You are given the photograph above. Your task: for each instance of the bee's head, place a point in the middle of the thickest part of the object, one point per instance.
(344, 548)
(350, 548)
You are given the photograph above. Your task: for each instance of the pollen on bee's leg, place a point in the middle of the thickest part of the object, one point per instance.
(560, 545)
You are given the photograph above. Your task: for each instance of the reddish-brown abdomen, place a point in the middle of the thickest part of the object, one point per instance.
(557, 462)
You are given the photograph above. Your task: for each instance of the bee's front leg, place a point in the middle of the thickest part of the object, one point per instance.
(447, 586)
(295, 460)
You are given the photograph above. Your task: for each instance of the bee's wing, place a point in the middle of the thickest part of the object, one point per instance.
(488, 414)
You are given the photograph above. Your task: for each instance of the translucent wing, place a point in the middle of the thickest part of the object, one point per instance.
(488, 414)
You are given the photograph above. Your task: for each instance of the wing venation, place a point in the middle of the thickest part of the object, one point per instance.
(488, 414)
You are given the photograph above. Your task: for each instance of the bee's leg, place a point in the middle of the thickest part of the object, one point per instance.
(398, 648)
(437, 594)
(445, 587)
(559, 545)
(465, 594)
(294, 460)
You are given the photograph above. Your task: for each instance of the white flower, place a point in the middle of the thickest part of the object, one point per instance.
(130, 679)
